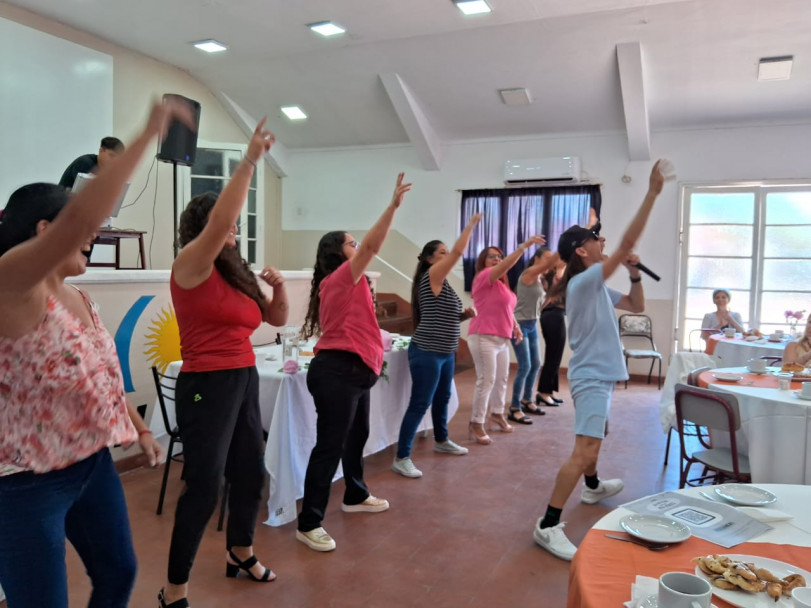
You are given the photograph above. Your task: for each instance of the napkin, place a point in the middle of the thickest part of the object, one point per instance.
(641, 590)
(765, 514)
(290, 366)
(387, 340)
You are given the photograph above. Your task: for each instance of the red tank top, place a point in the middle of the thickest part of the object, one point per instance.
(216, 322)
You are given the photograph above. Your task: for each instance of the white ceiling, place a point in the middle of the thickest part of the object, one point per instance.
(699, 58)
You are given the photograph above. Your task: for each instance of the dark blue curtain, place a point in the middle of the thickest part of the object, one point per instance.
(510, 216)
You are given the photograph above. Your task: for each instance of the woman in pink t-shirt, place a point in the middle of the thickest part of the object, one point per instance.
(62, 400)
(348, 360)
(489, 336)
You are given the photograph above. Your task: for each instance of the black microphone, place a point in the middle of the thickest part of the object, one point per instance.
(648, 271)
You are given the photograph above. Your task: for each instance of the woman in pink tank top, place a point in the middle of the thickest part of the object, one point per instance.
(62, 402)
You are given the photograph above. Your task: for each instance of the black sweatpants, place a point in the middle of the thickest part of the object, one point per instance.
(553, 328)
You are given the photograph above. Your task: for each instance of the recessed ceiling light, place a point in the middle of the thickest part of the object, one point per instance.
(775, 68)
(326, 28)
(210, 46)
(515, 97)
(473, 7)
(294, 112)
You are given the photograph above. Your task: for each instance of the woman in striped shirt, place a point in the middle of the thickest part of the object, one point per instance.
(437, 312)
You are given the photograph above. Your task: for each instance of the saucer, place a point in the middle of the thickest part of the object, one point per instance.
(653, 602)
(800, 395)
(725, 377)
(763, 373)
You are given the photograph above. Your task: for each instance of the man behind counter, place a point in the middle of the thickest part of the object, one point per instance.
(110, 148)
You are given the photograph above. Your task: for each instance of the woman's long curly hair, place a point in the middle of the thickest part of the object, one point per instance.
(229, 263)
(328, 258)
(26, 207)
(422, 267)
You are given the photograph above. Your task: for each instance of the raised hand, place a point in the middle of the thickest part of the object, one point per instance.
(261, 141)
(399, 191)
(657, 179)
(538, 240)
(475, 220)
(162, 115)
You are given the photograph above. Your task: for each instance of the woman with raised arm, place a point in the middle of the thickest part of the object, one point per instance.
(489, 336)
(219, 304)
(437, 313)
(597, 361)
(348, 361)
(553, 329)
(62, 401)
(529, 291)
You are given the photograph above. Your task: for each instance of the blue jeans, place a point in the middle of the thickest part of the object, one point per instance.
(83, 503)
(529, 362)
(431, 381)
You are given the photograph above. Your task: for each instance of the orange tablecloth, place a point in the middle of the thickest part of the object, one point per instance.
(603, 569)
(760, 380)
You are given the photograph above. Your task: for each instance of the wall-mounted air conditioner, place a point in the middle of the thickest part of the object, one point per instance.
(529, 171)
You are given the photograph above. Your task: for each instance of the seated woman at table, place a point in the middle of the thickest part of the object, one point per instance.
(348, 361)
(437, 313)
(219, 304)
(489, 336)
(799, 351)
(63, 402)
(722, 317)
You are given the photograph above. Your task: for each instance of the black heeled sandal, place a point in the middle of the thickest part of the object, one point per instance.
(519, 417)
(531, 408)
(181, 603)
(231, 570)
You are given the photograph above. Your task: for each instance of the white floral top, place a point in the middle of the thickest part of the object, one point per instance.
(61, 394)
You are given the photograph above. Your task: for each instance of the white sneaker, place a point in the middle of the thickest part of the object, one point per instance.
(449, 447)
(554, 540)
(370, 505)
(406, 468)
(317, 539)
(607, 488)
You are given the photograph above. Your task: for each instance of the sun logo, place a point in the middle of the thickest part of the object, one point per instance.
(164, 340)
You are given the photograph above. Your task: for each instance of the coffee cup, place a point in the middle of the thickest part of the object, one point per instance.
(729, 332)
(801, 597)
(683, 590)
(756, 365)
(778, 333)
(775, 337)
(806, 391)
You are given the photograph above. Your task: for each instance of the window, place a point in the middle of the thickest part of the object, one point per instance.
(212, 169)
(752, 240)
(510, 216)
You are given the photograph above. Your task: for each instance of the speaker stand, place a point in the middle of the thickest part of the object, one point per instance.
(174, 206)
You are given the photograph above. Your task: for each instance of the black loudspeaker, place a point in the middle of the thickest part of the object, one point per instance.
(180, 145)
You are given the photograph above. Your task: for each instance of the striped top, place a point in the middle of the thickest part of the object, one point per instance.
(438, 330)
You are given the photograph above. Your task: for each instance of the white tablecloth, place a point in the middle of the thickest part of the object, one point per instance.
(775, 432)
(736, 353)
(288, 414)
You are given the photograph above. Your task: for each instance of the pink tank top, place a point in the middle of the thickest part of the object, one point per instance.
(61, 394)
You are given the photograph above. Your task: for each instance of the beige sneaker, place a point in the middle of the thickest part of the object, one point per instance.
(317, 539)
(370, 505)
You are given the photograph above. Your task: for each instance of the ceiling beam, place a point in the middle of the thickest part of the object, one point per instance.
(416, 124)
(635, 106)
(276, 157)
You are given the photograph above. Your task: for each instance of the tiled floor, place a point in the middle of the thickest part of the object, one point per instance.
(461, 536)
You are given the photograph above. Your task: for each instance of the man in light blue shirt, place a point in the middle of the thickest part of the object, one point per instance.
(597, 361)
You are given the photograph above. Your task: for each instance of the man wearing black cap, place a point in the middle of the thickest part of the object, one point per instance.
(597, 362)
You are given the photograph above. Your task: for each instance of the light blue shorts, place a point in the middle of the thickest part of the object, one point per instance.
(592, 402)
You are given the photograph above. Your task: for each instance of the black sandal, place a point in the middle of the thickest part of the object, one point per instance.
(181, 603)
(519, 417)
(530, 408)
(231, 570)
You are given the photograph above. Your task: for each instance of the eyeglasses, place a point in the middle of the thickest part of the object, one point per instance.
(495, 256)
(353, 244)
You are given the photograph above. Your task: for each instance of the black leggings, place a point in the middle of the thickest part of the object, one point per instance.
(553, 328)
(221, 425)
(339, 382)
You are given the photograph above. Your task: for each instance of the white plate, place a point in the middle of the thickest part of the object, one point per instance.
(800, 395)
(653, 602)
(727, 377)
(655, 528)
(744, 599)
(744, 494)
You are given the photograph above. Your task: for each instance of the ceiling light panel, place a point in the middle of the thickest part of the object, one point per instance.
(326, 28)
(294, 112)
(775, 68)
(210, 46)
(473, 7)
(515, 97)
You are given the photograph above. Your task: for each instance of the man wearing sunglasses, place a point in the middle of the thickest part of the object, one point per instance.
(597, 362)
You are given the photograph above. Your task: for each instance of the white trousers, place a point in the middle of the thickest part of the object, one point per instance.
(491, 356)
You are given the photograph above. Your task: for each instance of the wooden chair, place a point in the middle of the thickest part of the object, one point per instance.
(640, 326)
(165, 386)
(717, 411)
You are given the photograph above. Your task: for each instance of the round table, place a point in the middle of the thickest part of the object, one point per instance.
(737, 351)
(603, 569)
